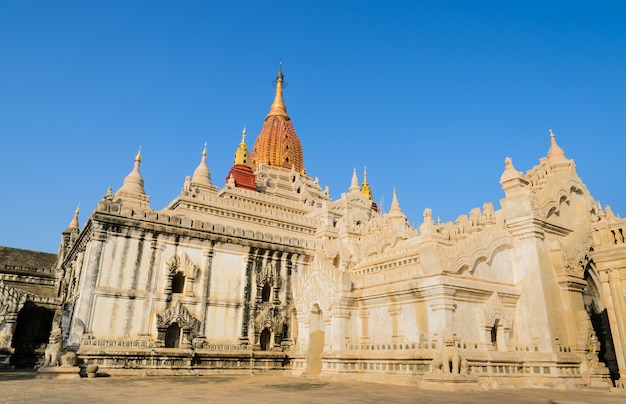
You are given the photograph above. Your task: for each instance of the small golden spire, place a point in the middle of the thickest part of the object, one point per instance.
(278, 106)
(138, 156)
(241, 154)
(365, 188)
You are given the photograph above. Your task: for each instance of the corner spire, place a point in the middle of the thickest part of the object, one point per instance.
(241, 154)
(74, 222)
(278, 106)
(395, 212)
(354, 185)
(202, 176)
(240, 174)
(133, 183)
(555, 153)
(365, 189)
(132, 190)
(512, 181)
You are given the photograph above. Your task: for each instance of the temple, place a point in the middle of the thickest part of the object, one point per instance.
(267, 272)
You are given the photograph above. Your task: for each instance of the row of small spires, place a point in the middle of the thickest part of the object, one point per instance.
(133, 183)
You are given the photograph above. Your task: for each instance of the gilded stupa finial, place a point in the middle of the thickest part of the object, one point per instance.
(278, 106)
(241, 154)
(138, 156)
(365, 188)
(243, 134)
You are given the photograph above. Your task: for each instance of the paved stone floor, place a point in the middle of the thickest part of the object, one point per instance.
(22, 387)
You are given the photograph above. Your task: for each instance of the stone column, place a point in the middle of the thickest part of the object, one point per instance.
(442, 308)
(278, 266)
(205, 275)
(328, 342)
(572, 290)
(338, 325)
(247, 311)
(364, 315)
(396, 332)
(147, 316)
(84, 304)
(616, 310)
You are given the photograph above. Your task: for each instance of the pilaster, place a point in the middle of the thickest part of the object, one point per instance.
(82, 320)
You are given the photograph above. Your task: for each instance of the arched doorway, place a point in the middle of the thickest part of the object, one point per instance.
(172, 336)
(596, 310)
(316, 341)
(265, 339)
(32, 330)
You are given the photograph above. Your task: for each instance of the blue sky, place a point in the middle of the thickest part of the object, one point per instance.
(430, 96)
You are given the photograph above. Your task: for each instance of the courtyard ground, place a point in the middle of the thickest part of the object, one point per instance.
(23, 387)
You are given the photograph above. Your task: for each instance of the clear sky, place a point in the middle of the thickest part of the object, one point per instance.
(430, 96)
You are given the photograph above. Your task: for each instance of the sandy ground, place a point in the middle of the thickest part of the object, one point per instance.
(23, 387)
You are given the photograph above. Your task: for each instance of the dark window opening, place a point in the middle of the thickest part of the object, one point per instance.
(264, 340)
(178, 283)
(266, 293)
(494, 333)
(172, 336)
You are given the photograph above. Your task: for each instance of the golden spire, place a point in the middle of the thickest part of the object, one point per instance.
(277, 144)
(278, 106)
(365, 188)
(241, 154)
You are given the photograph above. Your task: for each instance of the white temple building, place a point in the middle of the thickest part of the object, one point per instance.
(267, 273)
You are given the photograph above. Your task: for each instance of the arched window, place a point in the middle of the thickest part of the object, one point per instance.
(266, 293)
(172, 336)
(178, 283)
(264, 340)
(494, 333)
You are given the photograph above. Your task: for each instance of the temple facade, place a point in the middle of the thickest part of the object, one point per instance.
(268, 273)
(28, 301)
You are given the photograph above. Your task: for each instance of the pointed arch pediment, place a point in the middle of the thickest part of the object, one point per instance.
(176, 314)
(267, 273)
(182, 263)
(321, 284)
(494, 310)
(574, 251)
